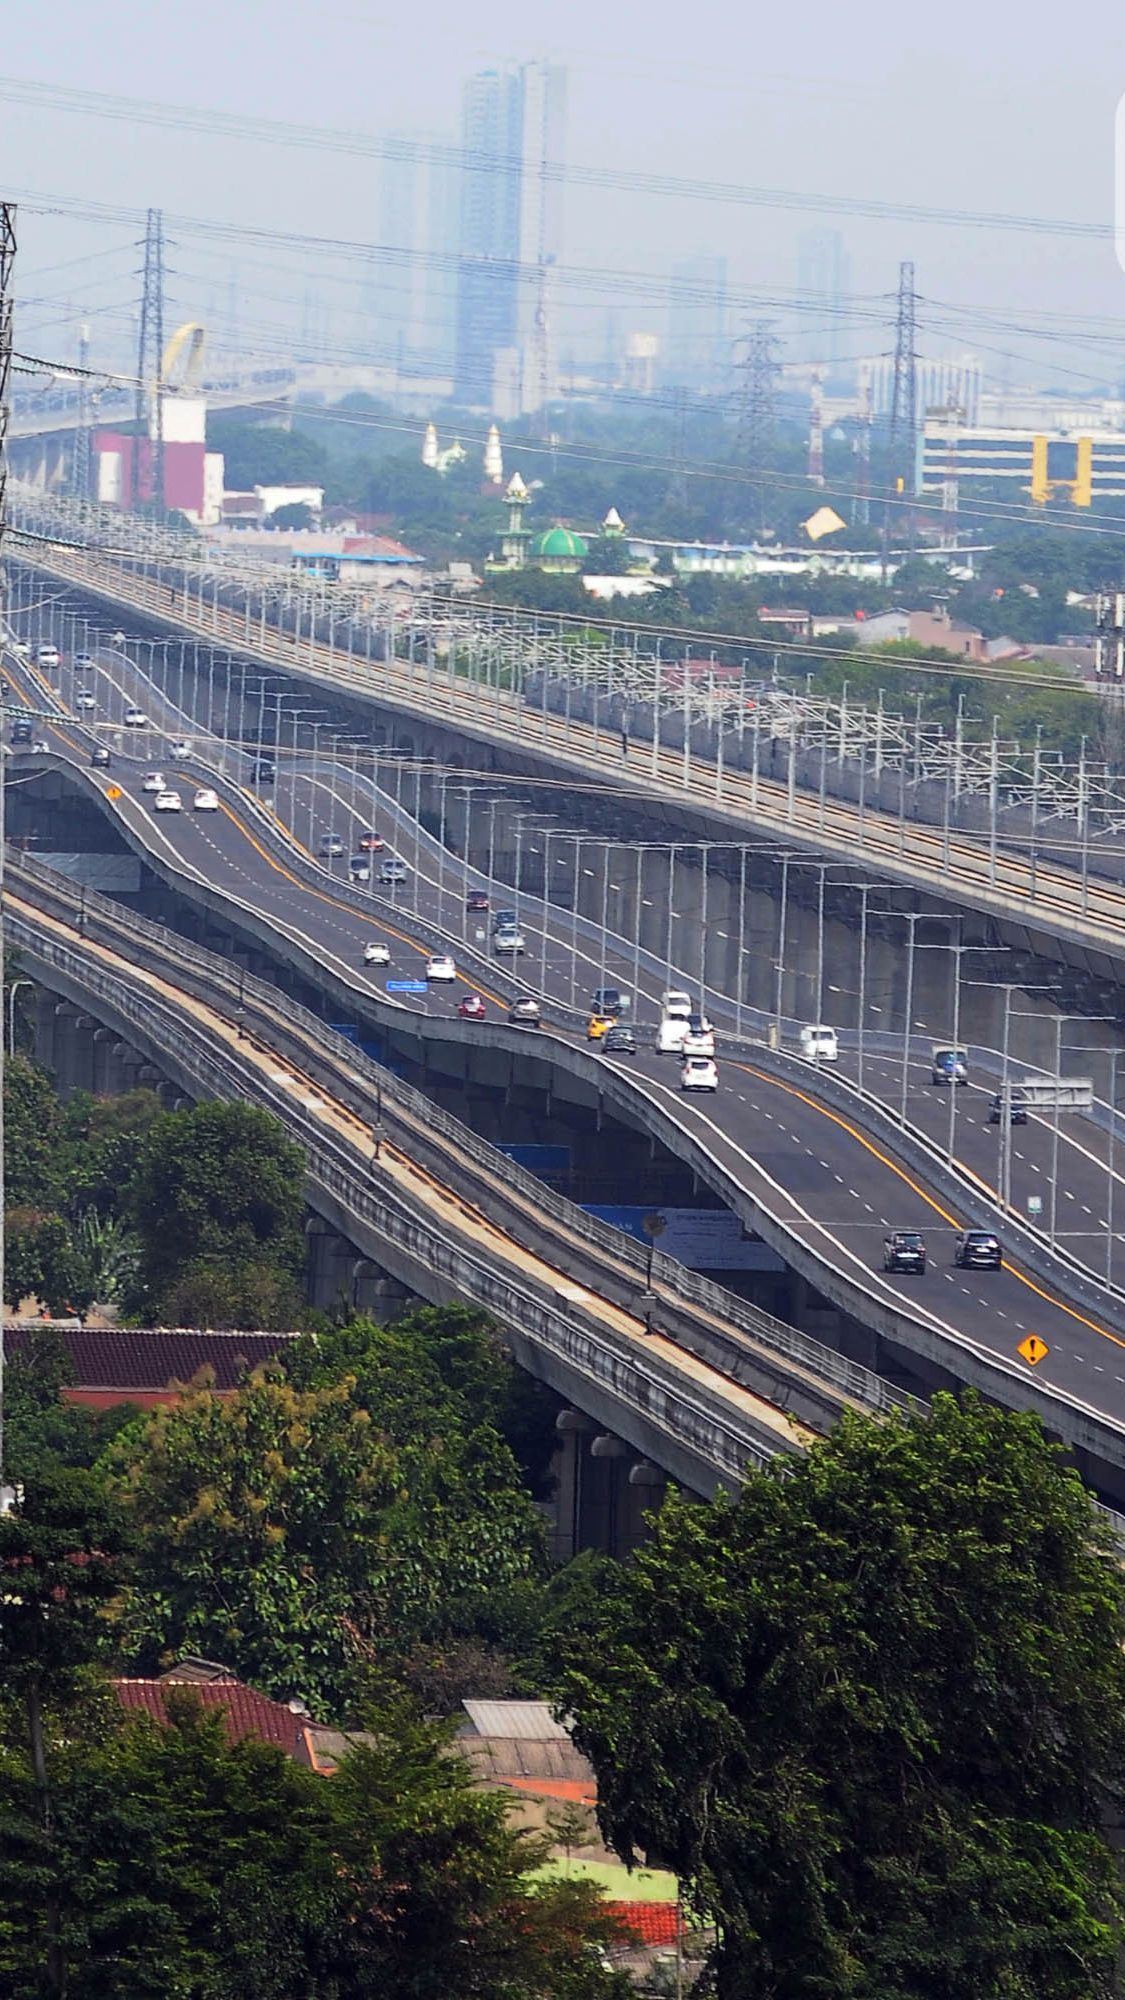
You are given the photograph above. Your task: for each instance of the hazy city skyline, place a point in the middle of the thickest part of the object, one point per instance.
(852, 112)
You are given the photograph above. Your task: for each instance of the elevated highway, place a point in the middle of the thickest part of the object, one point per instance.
(716, 1388)
(776, 1145)
(1037, 899)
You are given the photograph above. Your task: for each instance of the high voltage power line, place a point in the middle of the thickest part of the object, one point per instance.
(137, 110)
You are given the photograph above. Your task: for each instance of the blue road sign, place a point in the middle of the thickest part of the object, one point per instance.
(407, 986)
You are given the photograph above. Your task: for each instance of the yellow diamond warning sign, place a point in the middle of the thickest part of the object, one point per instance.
(113, 791)
(1033, 1349)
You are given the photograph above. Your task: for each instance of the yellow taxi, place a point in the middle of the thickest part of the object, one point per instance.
(598, 1025)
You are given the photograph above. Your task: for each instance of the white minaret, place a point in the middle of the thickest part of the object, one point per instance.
(493, 456)
(430, 447)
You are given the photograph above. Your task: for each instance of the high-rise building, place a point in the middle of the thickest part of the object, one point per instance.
(512, 135)
(822, 285)
(696, 355)
(413, 296)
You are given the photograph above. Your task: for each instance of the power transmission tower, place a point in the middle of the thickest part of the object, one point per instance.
(902, 443)
(81, 464)
(7, 259)
(758, 413)
(150, 355)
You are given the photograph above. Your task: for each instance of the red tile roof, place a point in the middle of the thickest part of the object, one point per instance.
(651, 1923)
(246, 1712)
(137, 1359)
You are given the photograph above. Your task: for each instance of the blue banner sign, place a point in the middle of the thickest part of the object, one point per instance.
(407, 986)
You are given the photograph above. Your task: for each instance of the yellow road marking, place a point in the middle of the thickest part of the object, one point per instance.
(931, 1200)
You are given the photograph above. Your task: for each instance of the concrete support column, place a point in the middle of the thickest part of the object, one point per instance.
(573, 1430)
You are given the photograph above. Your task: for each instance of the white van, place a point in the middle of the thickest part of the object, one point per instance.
(820, 1044)
(676, 1006)
(672, 1034)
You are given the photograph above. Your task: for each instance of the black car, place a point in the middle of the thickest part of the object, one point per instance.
(265, 771)
(978, 1250)
(21, 732)
(905, 1250)
(607, 1000)
(99, 756)
(477, 899)
(618, 1041)
(1017, 1107)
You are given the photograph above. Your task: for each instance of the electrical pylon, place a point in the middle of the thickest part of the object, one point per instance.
(903, 441)
(757, 416)
(150, 354)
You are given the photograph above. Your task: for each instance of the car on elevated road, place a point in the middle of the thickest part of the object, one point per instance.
(676, 1005)
(699, 1073)
(393, 870)
(905, 1250)
(167, 802)
(700, 1037)
(376, 953)
(135, 718)
(618, 1041)
(509, 943)
(472, 1008)
(205, 800)
(524, 1013)
(819, 1044)
(476, 902)
(85, 698)
(330, 847)
(152, 782)
(179, 749)
(597, 1026)
(978, 1250)
(1017, 1106)
(371, 843)
(48, 656)
(99, 756)
(441, 968)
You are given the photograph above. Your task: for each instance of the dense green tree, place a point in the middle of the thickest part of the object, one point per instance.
(221, 1185)
(62, 1560)
(298, 514)
(297, 1530)
(43, 1432)
(32, 1131)
(179, 1865)
(262, 454)
(872, 1714)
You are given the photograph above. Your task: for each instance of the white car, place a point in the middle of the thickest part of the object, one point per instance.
(676, 1006)
(179, 749)
(509, 943)
(84, 698)
(699, 1073)
(48, 656)
(376, 953)
(152, 782)
(206, 801)
(700, 1037)
(392, 870)
(84, 660)
(135, 718)
(820, 1044)
(21, 649)
(168, 802)
(441, 967)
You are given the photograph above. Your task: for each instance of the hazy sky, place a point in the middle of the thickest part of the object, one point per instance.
(957, 107)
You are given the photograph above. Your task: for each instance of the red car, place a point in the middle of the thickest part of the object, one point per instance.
(371, 843)
(477, 899)
(471, 1008)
